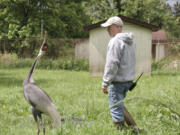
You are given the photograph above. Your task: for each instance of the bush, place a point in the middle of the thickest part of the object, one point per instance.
(156, 65)
(29, 47)
(175, 49)
(167, 62)
(65, 64)
(6, 58)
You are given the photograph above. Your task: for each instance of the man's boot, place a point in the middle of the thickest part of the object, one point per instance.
(119, 125)
(129, 120)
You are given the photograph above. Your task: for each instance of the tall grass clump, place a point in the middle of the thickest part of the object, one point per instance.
(11, 61)
(170, 61)
(175, 49)
(154, 103)
(68, 64)
(8, 57)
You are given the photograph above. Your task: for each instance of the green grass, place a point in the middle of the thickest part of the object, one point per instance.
(155, 103)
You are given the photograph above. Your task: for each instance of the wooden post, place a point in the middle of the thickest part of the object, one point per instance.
(128, 118)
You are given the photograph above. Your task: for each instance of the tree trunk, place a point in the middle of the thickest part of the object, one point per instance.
(118, 5)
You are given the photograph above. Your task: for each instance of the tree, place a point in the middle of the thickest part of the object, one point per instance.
(25, 18)
(119, 6)
(177, 14)
(154, 12)
(148, 11)
(21, 20)
(177, 9)
(99, 10)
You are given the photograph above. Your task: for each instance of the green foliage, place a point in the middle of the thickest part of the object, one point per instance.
(75, 94)
(155, 12)
(168, 62)
(74, 17)
(157, 65)
(140, 10)
(177, 9)
(77, 65)
(99, 10)
(175, 49)
(6, 58)
(65, 64)
(26, 18)
(22, 20)
(29, 47)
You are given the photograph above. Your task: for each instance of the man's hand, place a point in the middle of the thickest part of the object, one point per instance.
(104, 89)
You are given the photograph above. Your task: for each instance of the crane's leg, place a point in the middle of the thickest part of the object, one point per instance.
(42, 123)
(129, 119)
(35, 114)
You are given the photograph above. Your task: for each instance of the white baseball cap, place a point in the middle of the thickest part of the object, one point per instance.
(113, 20)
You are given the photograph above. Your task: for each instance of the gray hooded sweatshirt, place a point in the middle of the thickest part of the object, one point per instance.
(120, 59)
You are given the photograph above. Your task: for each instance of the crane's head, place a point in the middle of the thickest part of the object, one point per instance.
(43, 49)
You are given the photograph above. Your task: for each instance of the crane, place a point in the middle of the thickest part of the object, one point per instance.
(39, 100)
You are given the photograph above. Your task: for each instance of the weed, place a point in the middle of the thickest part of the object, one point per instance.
(156, 109)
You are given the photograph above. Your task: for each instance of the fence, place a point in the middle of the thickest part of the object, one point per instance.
(28, 47)
(161, 48)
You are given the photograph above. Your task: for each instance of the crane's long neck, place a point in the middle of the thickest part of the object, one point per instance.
(29, 76)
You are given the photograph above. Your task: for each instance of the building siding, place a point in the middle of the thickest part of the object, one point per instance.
(82, 50)
(99, 39)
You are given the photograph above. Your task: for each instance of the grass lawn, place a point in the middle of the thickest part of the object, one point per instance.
(155, 103)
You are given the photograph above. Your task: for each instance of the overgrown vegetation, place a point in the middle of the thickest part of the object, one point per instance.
(170, 62)
(160, 13)
(60, 55)
(22, 21)
(154, 103)
(29, 47)
(10, 61)
(175, 49)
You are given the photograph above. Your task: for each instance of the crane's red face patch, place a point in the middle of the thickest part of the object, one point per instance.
(45, 47)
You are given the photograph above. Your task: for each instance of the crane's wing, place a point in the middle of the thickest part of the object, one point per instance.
(38, 98)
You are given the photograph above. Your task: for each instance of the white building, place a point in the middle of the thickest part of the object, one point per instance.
(99, 39)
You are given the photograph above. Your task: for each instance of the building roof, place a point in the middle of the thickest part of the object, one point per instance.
(126, 19)
(159, 35)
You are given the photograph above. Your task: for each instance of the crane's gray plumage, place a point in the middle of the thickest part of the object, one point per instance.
(39, 99)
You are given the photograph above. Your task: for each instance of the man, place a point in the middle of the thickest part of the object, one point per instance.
(119, 70)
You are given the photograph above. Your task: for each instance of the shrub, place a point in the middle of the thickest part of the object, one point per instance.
(29, 47)
(165, 64)
(175, 49)
(157, 65)
(6, 58)
(65, 64)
